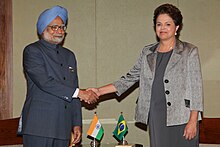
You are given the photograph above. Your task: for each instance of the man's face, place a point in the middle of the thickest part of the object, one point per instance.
(55, 31)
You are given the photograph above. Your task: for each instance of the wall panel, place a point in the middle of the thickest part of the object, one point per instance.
(107, 37)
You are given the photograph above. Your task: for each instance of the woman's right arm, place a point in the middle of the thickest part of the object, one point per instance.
(110, 88)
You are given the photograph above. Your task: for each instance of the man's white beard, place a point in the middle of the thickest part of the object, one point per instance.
(50, 38)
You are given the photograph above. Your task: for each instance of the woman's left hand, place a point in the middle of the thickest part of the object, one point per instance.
(190, 130)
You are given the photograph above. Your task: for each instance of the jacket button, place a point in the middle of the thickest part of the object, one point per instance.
(169, 103)
(65, 97)
(166, 81)
(57, 52)
(167, 92)
(61, 64)
(64, 78)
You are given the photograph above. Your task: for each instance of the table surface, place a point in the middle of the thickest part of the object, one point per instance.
(108, 145)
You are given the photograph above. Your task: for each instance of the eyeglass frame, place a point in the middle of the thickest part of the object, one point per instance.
(56, 27)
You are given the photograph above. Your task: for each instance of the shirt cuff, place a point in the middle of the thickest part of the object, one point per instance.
(75, 95)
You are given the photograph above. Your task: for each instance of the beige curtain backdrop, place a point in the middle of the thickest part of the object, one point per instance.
(107, 37)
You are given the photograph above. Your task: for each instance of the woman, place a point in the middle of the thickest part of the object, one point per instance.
(171, 96)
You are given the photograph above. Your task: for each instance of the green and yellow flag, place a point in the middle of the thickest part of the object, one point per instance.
(121, 128)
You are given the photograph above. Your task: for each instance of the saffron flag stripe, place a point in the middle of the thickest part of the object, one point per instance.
(93, 125)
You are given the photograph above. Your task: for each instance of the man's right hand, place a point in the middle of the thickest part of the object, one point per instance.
(89, 96)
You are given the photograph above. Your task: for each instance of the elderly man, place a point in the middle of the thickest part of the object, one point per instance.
(52, 108)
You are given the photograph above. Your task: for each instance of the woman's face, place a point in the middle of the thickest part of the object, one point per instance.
(165, 27)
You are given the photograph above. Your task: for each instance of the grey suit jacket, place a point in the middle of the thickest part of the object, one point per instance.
(182, 83)
(49, 109)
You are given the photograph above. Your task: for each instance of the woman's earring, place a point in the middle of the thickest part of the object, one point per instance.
(175, 33)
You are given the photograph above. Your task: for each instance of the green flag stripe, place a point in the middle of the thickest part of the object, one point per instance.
(100, 133)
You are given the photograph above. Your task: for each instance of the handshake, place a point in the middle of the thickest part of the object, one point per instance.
(90, 95)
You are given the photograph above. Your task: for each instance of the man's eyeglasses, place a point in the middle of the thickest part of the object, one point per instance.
(56, 27)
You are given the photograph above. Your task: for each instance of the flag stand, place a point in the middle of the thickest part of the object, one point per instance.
(94, 143)
(123, 142)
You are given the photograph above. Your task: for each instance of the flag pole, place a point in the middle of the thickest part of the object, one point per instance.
(94, 142)
(123, 138)
(124, 142)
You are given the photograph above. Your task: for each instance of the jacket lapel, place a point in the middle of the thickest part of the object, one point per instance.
(151, 58)
(175, 57)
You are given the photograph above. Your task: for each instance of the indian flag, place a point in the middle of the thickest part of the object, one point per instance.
(96, 130)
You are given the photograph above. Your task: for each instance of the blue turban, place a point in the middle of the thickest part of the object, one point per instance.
(49, 15)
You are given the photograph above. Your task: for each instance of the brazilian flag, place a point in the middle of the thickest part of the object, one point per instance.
(121, 128)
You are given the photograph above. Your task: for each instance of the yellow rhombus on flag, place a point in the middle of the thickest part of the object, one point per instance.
(96, 130)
